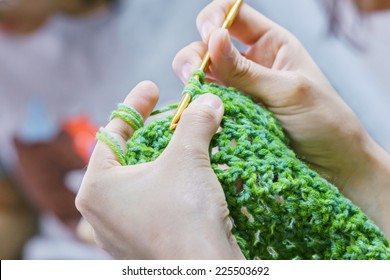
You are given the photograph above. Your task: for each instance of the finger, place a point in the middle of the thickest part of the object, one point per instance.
(229, 67)
(143, 99)
(248, 19)
(232, 69)
(188, 59)
(197, 126)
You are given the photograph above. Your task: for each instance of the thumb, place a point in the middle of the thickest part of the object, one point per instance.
(231, 68)
(196, 127)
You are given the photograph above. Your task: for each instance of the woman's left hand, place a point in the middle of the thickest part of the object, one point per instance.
(172, 208)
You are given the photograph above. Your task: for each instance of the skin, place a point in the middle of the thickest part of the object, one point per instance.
(278, 72)
(174, 207)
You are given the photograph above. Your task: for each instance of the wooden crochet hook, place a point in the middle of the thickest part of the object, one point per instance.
(186, 99)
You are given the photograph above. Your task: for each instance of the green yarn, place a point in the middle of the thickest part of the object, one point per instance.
(129, 115)
(104, 136)
(281, 208)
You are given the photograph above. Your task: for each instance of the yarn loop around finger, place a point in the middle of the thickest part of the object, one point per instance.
(129, 115)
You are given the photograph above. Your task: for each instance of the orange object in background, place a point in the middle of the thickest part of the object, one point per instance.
(82, 131)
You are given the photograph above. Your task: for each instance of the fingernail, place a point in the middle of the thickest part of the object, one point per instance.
(210, 100)
(186, 71)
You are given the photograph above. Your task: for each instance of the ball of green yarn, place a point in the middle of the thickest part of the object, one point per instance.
(281, 208)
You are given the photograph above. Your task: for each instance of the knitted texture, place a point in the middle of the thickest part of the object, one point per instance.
(281, 208)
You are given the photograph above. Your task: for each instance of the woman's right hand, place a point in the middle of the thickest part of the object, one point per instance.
(277, 72)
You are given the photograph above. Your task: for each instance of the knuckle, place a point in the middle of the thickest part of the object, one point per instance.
(301, 88)
(84, 198)
(244, 71)
(123, 131)
(242, 68)
(81, 203)
(303, 85)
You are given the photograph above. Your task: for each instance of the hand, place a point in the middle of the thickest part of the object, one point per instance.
(278, 73)
(172, 208)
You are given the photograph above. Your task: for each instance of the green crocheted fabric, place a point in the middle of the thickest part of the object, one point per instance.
(281, 208)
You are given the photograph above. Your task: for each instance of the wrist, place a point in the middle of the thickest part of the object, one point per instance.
(368, 185)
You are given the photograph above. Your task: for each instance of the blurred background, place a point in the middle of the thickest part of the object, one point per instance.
(65, 64)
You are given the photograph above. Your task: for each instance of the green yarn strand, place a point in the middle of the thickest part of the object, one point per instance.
(106, 137)
(129, 115)
(165, 109)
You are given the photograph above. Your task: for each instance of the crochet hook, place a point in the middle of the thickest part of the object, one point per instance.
(186, 99)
